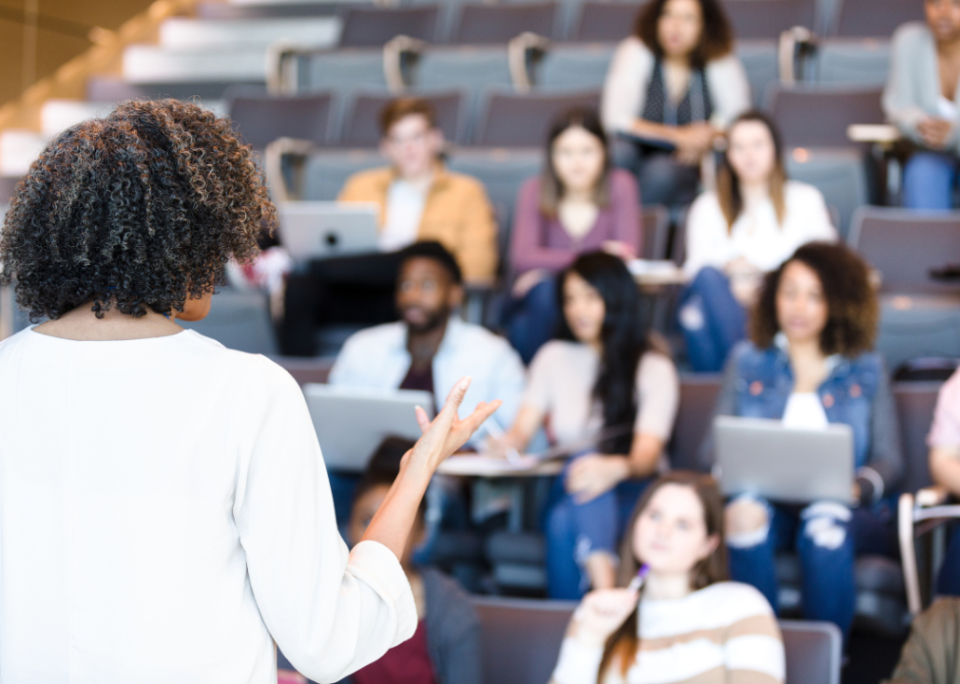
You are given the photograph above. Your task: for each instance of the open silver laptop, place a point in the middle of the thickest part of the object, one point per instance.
(790, 465)
(351, 422)
(318, 230)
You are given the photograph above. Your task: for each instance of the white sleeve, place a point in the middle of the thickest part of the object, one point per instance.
(509, 381)
(705, 228)
(818, 221)
(624, 88)
(729, 88)
(900, 96)
(330, 611)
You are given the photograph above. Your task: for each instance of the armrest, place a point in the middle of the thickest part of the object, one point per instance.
(273, 165)
(394, 53)
(882, 134)
(793, 43)
(521, 50)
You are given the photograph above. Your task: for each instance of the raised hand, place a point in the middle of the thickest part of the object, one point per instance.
(446, 433)
(601, 613)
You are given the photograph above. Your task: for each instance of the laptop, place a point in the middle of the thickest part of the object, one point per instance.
(320, 230)
(789, 465)
(351, 422)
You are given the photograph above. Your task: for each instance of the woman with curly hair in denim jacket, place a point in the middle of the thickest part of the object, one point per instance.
(810, 363)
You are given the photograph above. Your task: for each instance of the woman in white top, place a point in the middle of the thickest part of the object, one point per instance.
(671, 89)
(751, 224)
(165, 507)
(922, 99)
(684, 622)
(608, 396)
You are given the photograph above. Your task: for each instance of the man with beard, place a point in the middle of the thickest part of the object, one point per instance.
(430, 348)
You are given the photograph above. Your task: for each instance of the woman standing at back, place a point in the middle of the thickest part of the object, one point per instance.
(671, 90)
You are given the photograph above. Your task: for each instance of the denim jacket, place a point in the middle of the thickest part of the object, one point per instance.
(758, 382)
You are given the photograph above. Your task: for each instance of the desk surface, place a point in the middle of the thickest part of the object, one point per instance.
(486, 466)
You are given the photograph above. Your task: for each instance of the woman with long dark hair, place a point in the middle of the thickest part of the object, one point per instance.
(601, 389)
(671, 90)
(166, 509)
(749, 225)
(684, 622)
(578, 204)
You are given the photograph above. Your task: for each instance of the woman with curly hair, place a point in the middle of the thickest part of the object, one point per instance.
(165, 509)
(810, 363)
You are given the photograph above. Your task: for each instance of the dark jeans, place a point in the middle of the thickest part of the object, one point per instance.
(662, 179)
(575, 530)
(353, 289)
(948, 584)
(712, 320)
(828, 537)
(531, 321)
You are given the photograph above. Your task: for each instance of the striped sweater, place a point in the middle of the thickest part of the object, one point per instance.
(723, 634)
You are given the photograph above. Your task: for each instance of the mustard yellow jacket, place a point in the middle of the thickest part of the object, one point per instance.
(457, 214)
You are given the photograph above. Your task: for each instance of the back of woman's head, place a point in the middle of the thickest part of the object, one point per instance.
(748, 139)
(853, 312)
(552, 187)
(624, 338)
(623, 644)
(716, 35)
(142, 209)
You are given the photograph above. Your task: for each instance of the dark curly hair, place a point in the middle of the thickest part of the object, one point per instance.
(716, 38)
(141, 209)
(853, 312)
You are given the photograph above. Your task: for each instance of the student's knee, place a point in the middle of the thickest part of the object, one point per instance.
(825, 524)
(747, 522)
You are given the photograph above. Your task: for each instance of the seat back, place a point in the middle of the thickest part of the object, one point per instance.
(222, 11)
(769, 18)
(698, 398)
(361, 127)
(839, 174)
(863, 63)
(903, 246)
(819, 117)
(521, 638)
(916, 402)
(521, 641)
(238, 320)
(759, 59)
(8, 185)
(574, 67)
(489, 24)
(260, 119)
(375, 26)
(875, 18)
(656, 231)
(512, 120)
(813, 651)
(326, 172)
(601, 21)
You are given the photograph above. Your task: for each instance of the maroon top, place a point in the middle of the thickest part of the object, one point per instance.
(539, 242)
(408, 663)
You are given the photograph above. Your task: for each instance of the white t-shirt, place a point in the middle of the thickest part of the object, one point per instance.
(405, 203)
(805, 410)
(756, 236)
(165, 515)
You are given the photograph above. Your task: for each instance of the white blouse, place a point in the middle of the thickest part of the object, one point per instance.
(756, 235)
(165, 515)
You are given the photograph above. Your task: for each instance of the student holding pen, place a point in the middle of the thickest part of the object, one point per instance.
(600, 379)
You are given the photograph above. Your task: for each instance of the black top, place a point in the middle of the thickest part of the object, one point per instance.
(695, 106)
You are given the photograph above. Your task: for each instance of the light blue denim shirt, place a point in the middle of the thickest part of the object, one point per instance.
(378, 358)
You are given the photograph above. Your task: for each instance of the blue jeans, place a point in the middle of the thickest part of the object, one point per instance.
(711, 319)
(575, 530)
(531, 321)
(948, 584)
(827, 536)
(928, 181)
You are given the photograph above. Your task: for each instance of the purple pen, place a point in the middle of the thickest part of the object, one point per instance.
(637, 581)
